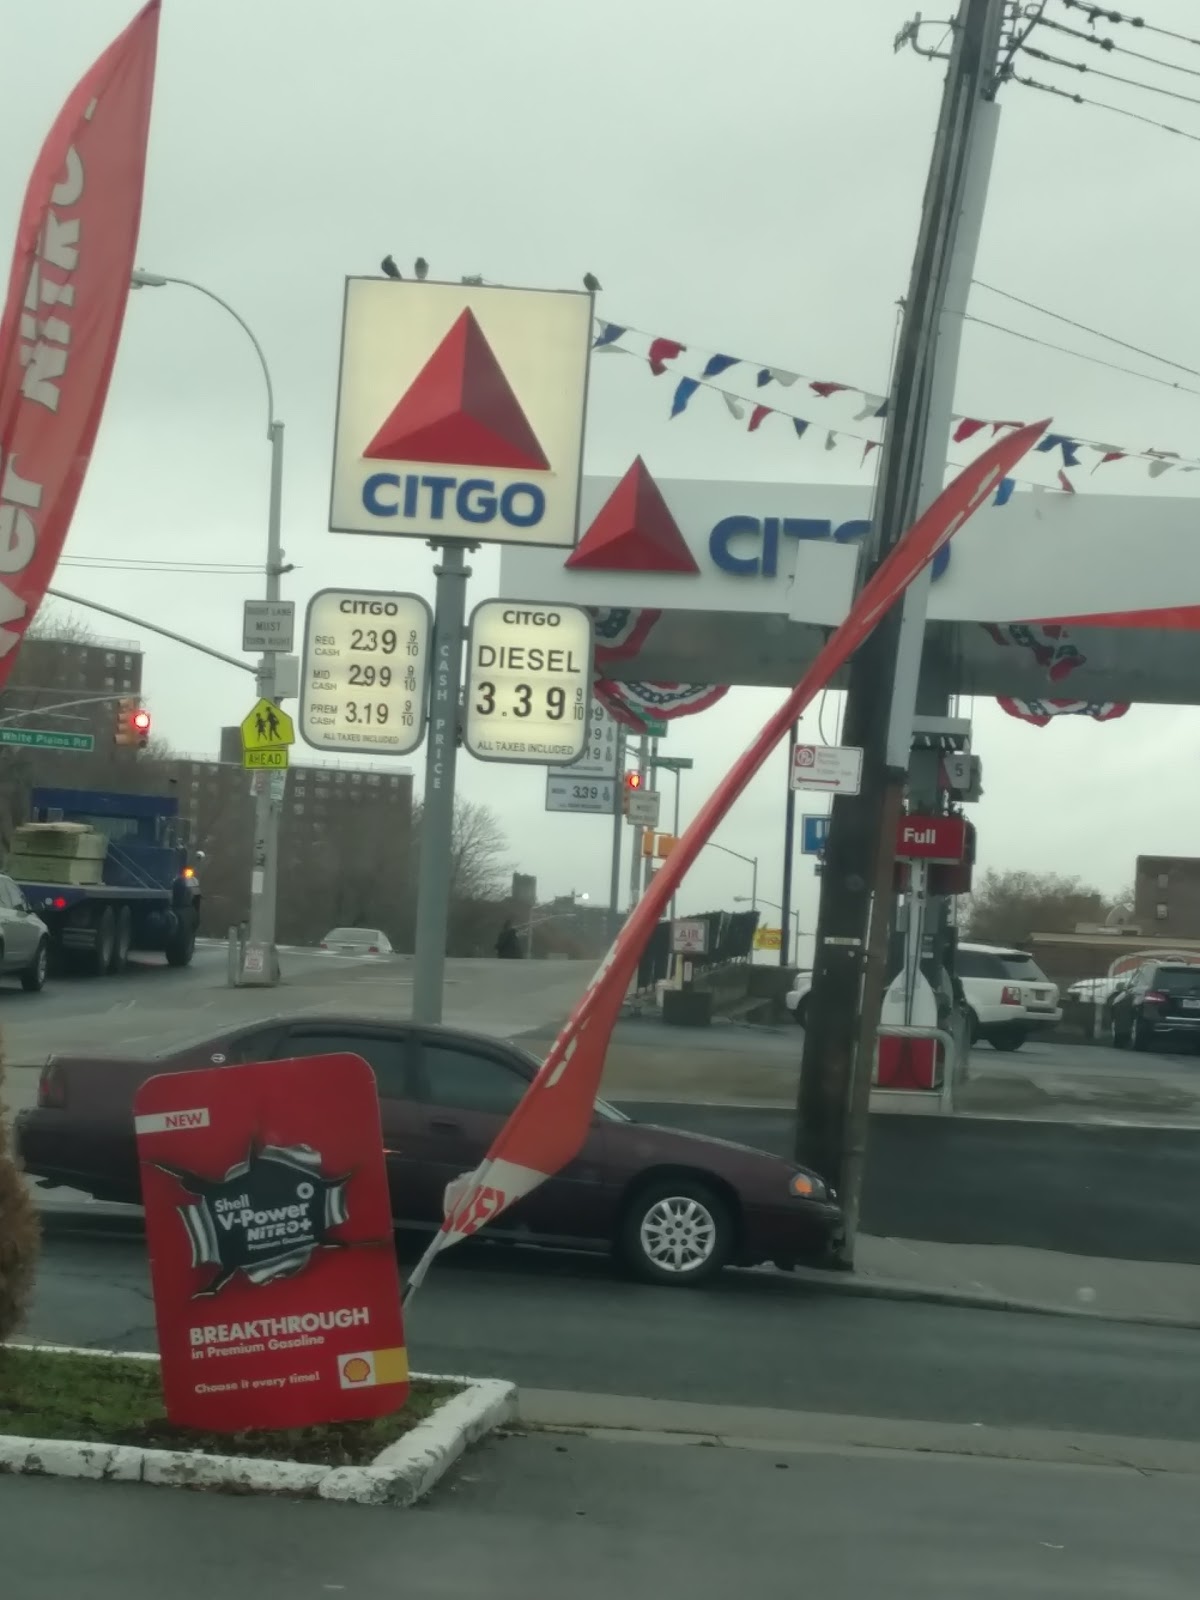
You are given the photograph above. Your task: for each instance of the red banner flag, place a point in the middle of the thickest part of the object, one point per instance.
(67, 291)
(551, 1122)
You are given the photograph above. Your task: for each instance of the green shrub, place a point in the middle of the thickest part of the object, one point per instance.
(20, 1234)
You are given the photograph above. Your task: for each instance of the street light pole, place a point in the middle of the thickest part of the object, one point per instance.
(259, 965)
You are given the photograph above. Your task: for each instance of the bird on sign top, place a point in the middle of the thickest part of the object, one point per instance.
(389, 268)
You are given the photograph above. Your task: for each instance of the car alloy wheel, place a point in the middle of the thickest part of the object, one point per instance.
(677, 1232)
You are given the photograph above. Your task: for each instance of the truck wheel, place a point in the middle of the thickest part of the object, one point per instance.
(181, 946)
(106, 939)
(122, 940)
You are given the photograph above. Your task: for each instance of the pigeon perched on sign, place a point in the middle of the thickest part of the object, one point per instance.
(591, 283)
(389, 267)
(421, 268)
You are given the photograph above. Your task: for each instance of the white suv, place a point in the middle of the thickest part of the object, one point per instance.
(1008, 994)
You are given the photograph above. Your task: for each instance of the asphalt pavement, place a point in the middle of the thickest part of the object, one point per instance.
(1088, 1189)
(552, 1320)
(592, 1518)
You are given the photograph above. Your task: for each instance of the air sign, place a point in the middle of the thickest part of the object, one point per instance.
(529, 680)
(364, 682)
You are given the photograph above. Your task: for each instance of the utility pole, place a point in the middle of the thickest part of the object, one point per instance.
(849, 965)
(441, 753)
(789, 847)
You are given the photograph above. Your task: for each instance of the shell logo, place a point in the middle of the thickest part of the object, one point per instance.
(356, 1370)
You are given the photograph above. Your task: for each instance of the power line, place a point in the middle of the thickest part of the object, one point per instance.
(1112, 77)
(1080, 355)
(1097, 13)
(1083, 327)
(1119, 49)
(1103, 105)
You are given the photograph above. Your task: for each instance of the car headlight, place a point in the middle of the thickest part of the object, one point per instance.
(807, 1186)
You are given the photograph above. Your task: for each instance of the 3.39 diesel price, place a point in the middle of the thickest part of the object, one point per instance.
(523, 700)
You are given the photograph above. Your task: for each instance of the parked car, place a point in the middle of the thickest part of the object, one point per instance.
(796, 999)
(1008, 995)
(1159, 1000)
(24, 939)
(674, 1207)
(357, 942)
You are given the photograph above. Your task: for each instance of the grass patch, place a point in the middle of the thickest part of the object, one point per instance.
(107, 1400)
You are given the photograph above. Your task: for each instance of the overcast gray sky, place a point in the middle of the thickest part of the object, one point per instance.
(742, 177)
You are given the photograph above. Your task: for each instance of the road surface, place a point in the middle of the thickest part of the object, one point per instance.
(591, 1519)
(557, 1321)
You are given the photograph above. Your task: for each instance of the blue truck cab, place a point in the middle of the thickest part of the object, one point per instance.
(149, 897)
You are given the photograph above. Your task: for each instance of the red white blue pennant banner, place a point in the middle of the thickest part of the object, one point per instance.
(660, 353)
(1040, 712)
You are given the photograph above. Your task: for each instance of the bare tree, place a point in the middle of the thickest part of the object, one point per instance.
(1008, 907)
(20, 1235)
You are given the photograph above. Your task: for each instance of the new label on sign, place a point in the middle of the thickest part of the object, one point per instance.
(529, 677)
(269, 1230)
(921, 838)
(588, 796)
(835, 768)
(460, 412)
(365, 678)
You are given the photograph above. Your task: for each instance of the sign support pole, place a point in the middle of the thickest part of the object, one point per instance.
(614, 882)
(789, 849)
(437, 812)
(635, 865)
(260, 959)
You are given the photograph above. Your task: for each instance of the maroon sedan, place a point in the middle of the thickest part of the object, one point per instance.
(675, 1207)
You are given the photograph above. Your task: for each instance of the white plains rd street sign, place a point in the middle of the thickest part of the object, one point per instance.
(364, 684)
(529, 683)
(460, 412)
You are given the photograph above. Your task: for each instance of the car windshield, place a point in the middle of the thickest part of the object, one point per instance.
(608, 1113)
(1017, 964)
(1179, 980)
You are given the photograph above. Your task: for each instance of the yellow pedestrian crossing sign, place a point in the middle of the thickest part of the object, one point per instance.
(266, 734)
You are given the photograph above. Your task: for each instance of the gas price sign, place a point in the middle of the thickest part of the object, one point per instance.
(529, 682)
(365, 680)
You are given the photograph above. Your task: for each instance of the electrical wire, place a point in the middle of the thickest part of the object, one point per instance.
(1103, 105)
(1083, 327)
(1118, 49)
(1112, 77)
(129, 564)
(1100, 13)
(1080, 355)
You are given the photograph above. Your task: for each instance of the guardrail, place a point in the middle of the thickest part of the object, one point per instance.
(946, 1095)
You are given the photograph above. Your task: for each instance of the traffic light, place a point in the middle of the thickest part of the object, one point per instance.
(633, 785)
(132, 727)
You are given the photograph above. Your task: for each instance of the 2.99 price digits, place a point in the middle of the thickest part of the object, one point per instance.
(525, 701)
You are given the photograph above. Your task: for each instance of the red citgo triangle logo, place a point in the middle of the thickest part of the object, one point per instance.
(460, 411)
(633, 531)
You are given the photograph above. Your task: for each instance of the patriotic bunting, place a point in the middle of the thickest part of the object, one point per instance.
(657, 351)
(632, 703)
(1040, 712)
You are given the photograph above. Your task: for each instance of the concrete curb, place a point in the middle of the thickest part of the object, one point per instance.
(400, 1475)
(975, 1299)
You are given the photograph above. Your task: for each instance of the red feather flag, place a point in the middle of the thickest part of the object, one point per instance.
(76, 239)
(551, 1122)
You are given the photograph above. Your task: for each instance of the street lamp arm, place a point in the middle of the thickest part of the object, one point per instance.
(140, 622)
(153, 280)
(751, 861)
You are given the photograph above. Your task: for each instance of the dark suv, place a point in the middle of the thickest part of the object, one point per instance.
(1160, 1000)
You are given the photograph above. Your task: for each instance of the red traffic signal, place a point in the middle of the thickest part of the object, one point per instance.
(633, 780)
(132, 724)
(141, 721)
